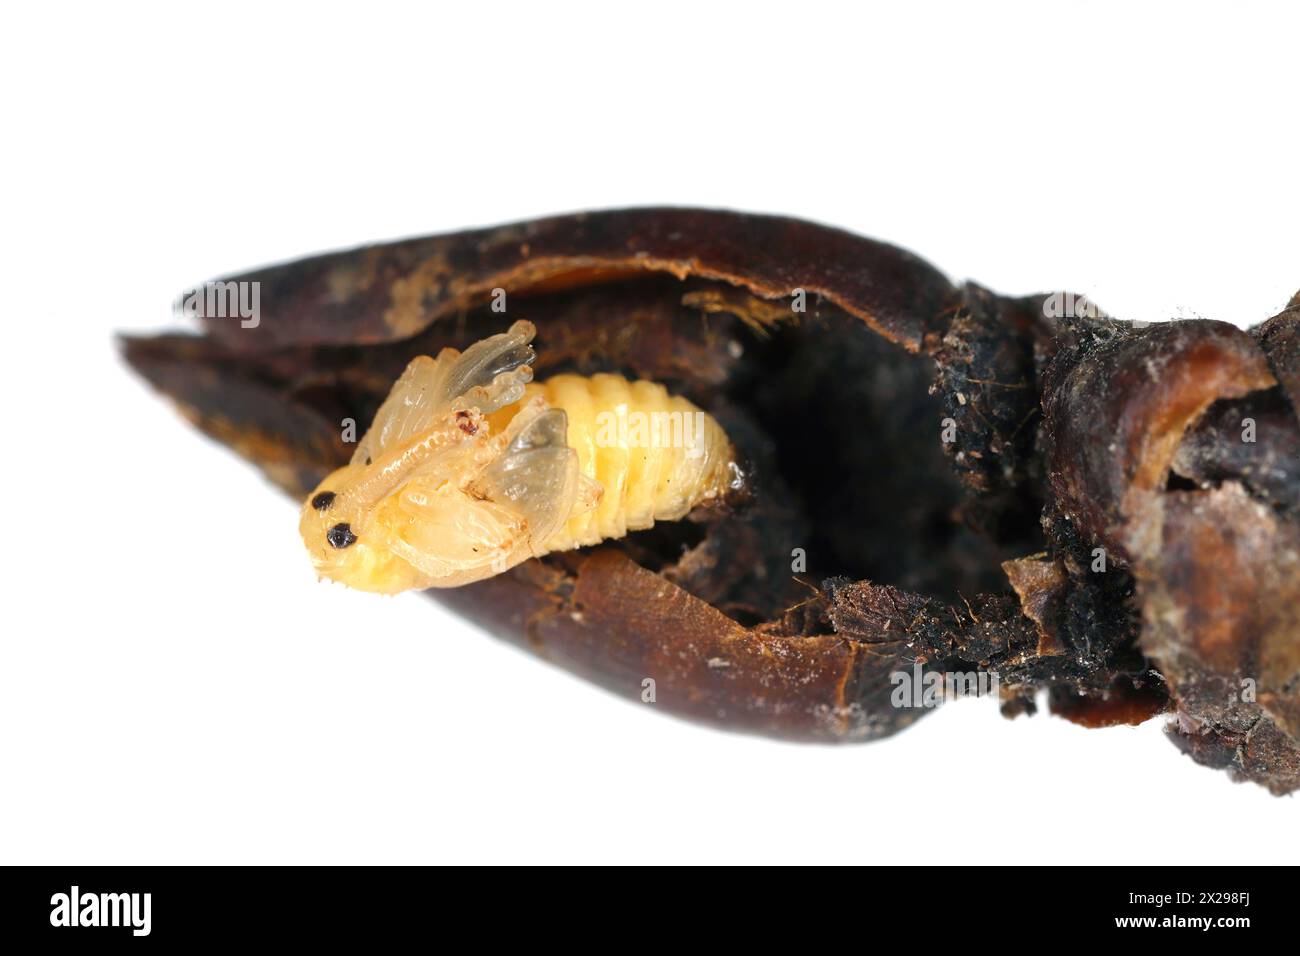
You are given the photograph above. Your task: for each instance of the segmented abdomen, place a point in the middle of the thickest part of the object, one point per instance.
(655, 455)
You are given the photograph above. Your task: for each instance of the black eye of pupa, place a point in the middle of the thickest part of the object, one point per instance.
(323, 500)
(340, 536)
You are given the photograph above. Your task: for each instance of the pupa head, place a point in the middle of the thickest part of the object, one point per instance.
(332, 523)
(429, 530)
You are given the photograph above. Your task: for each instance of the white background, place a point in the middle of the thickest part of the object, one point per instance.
(175, 686)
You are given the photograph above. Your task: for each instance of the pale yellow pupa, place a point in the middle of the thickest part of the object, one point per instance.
(469, 468)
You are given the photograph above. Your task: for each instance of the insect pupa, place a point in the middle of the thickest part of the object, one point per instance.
(470, 468)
